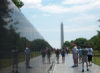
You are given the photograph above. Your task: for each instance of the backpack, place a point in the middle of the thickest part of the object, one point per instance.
(63, 52)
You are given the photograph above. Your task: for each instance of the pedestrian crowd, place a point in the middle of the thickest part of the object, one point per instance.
(58, 52)
(84, 53)
(81, 54)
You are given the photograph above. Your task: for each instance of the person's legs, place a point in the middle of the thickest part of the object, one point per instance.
(80, 59)
(74, 60)
(16, 68)
(58, 59)
(63, 59)
(77, 61)
(43, 59)
(89, 59)
(49, 59)
(82, 66)
(87, 66)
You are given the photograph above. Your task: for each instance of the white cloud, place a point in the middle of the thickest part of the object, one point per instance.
(34, 16)
(83, 18)
(76, 1)
(70, 29)
(46, 14)
(85, 29)
(88, 5)
(53, 9)
(32, 1)
(52, 30)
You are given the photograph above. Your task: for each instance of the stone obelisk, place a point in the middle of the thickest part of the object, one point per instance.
(62, 35)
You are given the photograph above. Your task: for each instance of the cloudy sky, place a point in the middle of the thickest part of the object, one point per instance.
(78, 16)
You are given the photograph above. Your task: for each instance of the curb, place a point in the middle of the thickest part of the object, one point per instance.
(51, 69)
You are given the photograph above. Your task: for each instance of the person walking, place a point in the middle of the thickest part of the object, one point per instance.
(27, 57)
(57, 55)
(63, 55)
(14, 60)
(43, 53)
(80, 54)
(90, 53)
(84, 58)
(75, 55)
(67, 50)
(48, 55)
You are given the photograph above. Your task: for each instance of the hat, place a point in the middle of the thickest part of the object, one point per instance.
(73, 44)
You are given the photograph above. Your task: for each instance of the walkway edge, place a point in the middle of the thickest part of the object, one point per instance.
(51, 69)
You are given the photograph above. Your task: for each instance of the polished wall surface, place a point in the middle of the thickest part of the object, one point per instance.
(13, 16)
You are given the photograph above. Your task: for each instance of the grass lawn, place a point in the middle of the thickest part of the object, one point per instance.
(96, 59)
(7, 61)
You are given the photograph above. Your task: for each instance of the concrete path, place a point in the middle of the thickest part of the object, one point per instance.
(67, 67)
(37, 66)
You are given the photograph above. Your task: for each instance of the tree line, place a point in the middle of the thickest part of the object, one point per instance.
(94, 42)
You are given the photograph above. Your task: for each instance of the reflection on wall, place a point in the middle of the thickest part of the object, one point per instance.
(19, 21)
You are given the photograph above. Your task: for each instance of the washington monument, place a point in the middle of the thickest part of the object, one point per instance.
(62, 35)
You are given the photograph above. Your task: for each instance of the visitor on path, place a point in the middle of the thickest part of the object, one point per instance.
(57, 55)
(84, 58)
(80, 54)
(63, 55)
(43, 52)
(48, 55)
(67, 50)
(90, 53)
(15, 61)
(27, 57)
(75, 55)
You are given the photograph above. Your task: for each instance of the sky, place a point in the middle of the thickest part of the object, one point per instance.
(79, 18)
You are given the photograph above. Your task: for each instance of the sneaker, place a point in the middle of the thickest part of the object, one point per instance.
(74, 66)
(83, 70)
(87, 69)
(29, 66)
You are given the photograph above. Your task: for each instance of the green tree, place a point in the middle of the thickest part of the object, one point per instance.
(80, 41)
(67, 44)
(18, 3)
(95, 40)
(39, 44)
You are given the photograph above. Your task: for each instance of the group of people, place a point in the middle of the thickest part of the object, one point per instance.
(81, 54)
(84, 53)
(45, 53)
(62, 52)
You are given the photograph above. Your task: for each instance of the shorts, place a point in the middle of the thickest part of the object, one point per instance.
(75, 56)
(84, 59)
(89, 58)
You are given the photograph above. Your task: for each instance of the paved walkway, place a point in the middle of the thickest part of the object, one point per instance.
(67, 67)
(37, 66)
